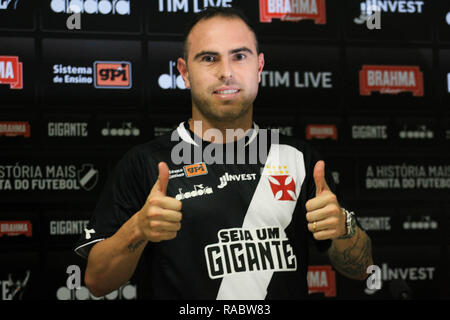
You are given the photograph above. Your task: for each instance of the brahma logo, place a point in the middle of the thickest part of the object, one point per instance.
(292, 10)
(391, 80)
(281, 183)
(322, 279)
(321, 131)
(11, 72)
(112, 75)
(14, 129)
(15, 228)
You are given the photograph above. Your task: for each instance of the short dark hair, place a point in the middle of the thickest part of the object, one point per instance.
(211, 12)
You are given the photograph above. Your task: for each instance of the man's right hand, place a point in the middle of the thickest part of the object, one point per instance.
(160, 217)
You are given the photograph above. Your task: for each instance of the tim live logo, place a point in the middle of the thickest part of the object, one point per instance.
(391, 80)
(292, 10)
(11, 72)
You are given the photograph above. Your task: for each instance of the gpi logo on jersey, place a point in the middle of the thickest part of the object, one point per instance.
(196, 169)
(391, 80)
(282, 184)
(322, 279)
(11, 72)
(120, 7)
(292, 10)
(112, 75)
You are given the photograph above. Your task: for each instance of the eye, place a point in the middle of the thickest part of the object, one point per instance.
(240, 56)
(208, 58)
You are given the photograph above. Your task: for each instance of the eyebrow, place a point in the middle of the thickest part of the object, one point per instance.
(215, 53)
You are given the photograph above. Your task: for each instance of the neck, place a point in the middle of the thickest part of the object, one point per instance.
(220, 131)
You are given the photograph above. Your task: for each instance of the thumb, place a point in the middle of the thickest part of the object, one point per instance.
(319, 177)
(160, 186)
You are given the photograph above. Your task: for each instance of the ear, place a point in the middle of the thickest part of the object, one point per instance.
(182, 69)
(260, 65)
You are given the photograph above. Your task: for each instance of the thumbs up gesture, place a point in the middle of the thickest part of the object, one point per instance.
(324, 214)
(160, 217)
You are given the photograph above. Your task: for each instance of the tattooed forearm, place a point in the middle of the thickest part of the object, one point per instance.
(352, 260)
(133, 246)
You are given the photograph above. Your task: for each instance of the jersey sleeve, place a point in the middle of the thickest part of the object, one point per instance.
(124, 194)
(311, 160)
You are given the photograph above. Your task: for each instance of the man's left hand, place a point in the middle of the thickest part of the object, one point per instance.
(324, 214)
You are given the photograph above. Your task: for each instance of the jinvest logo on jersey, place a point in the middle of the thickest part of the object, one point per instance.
(292, 10)
(391, 80)
(235, 177)
(119, 7)
(112, 75)
(8, 4)
(11, 72)
(249, 250)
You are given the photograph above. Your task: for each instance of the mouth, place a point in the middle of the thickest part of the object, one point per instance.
(227, 92)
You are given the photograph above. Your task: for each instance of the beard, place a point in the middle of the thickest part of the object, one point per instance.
(226, 111)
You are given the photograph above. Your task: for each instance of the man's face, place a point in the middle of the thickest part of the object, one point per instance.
(223, 69)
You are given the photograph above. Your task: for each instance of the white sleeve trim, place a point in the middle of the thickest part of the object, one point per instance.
(79, 248)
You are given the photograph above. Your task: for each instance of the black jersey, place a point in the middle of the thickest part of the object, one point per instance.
(244, 230)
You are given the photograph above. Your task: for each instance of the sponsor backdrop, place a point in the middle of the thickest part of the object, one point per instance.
(365, 81)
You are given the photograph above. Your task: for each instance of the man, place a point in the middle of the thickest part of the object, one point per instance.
(224, 230)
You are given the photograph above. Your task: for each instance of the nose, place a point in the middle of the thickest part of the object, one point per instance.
(225, 70)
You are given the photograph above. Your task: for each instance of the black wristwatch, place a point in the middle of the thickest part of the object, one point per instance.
(350, 224)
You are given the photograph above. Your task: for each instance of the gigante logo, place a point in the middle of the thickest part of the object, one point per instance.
(120, 7)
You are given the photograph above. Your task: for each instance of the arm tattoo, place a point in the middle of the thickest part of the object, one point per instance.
(132, 247)
(354, 260)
